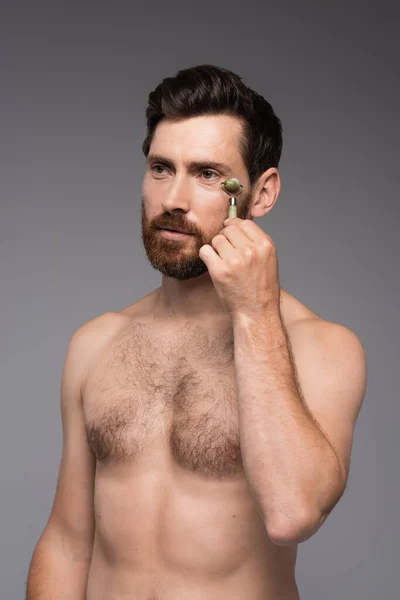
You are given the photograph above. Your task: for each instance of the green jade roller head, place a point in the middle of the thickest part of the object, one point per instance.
(233, 188)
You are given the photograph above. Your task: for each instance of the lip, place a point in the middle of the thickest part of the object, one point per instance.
(176, 230)
(168, 234)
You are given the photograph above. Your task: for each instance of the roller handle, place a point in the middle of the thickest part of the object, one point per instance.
(232, 211)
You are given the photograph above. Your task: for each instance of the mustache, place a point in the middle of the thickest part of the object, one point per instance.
(167, 221)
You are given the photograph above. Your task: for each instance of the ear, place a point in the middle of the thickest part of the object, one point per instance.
(266, 192)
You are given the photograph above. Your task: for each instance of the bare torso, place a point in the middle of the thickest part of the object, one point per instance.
(174, 517)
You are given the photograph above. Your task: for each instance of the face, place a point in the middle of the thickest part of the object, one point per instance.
(181, 189)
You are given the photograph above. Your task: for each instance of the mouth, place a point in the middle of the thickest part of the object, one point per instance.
(175, 230)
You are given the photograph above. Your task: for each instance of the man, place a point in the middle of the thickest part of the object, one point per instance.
(207, 427)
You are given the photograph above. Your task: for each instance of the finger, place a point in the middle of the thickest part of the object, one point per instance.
(209, 256)
(236, 235)
(253, 231)
(223, 246)
(230, 220)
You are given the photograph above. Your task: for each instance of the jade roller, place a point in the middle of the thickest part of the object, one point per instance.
(233, 188)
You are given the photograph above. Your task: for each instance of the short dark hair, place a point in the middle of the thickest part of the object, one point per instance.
(212, 90)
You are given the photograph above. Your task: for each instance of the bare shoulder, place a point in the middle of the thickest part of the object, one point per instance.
(308, 330)
(93, 336)
(295, 312)
(302, 321)
(100, 328)
(327, 349)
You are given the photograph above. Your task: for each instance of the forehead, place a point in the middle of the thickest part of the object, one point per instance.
(210, 137)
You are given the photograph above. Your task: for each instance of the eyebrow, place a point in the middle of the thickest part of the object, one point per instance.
(193, 165)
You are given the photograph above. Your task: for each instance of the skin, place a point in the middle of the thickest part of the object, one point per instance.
(163, 506)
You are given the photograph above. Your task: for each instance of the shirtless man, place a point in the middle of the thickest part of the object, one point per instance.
(207, 428)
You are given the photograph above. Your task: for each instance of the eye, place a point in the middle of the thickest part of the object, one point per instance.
(157, 166)
(210, 173)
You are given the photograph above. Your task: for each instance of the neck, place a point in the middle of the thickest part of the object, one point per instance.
(194, 298)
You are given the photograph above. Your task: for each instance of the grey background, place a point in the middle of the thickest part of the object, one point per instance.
(74, 83)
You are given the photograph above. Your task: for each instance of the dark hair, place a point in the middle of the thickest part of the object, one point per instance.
(211, 90)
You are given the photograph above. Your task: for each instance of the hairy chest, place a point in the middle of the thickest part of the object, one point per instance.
(172, 389)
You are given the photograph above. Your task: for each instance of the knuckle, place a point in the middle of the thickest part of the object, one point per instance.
(250, 252)
(267, 246)
(266, 243)
(234, 261)
(224, 275)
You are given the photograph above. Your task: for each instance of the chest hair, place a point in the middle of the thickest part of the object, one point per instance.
(153, 386)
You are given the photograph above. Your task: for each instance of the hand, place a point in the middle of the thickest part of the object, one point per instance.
(243, 265)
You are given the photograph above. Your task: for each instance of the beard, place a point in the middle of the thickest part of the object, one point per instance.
(179, 259)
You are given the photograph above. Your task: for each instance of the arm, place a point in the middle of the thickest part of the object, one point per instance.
(60, 563)
(296, 473)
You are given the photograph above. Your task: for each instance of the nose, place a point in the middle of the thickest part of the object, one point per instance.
(177, 194)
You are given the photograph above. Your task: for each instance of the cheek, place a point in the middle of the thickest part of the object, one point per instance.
(213, 219)
(151, 196)
(148, 189)
(211, 212)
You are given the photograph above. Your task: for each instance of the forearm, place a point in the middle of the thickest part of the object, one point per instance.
(290, 466)
(56, 574)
